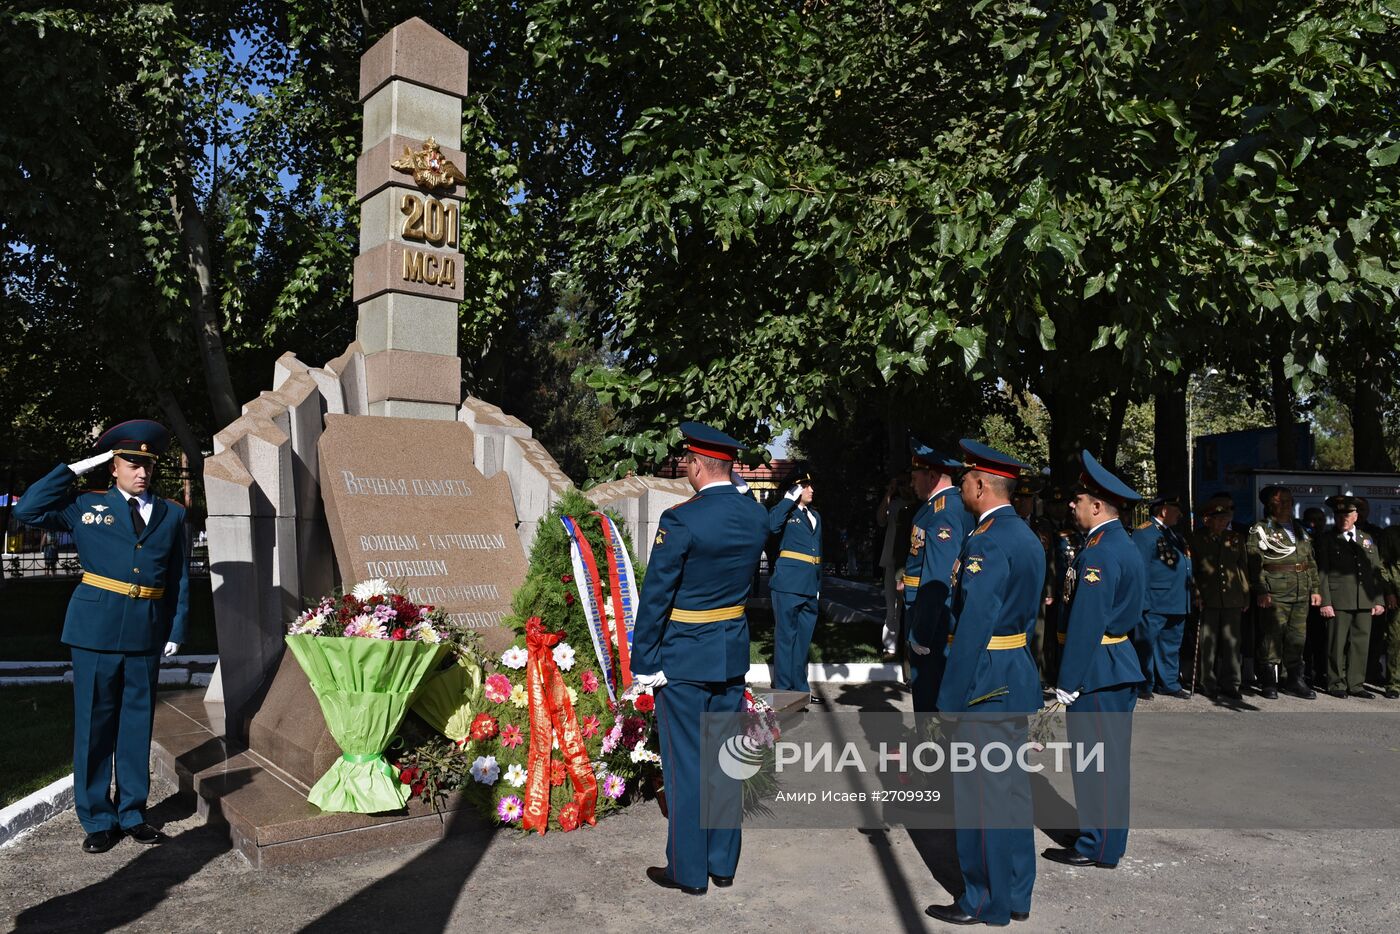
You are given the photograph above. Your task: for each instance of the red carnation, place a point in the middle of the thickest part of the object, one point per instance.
(484, 726)
(417, 787)
(644, 702)
(567, 578)
(409, 776)
(568, 816)
(569, 599)
(398, 635)
(556, 772)
(535, 620)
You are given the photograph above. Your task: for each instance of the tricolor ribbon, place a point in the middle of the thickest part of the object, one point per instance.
(616, 668)
(551, 712)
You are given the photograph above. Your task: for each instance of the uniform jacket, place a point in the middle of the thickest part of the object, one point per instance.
(914, 561)
(999, 576)
(1281, 560)
(796, 534)
(108, 546)
(948, 525)
(1221, 565)
(1350, 573)
(703, 558)
(1106, 598)
(1167, 560)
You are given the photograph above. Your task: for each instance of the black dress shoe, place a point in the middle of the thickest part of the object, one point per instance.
(1268, 692)
(658, 875)
(1338, 693)
(1392, 694)
(1232, 694)
(951, 914)
(1179, 693)
(723, 882)
(144, 833)
(1363, 694)
(102, 840)
(1020, 916)
(1144, 694)
(1072, 857)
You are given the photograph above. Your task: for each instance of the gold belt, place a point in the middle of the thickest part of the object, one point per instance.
(1017, 641)
(122, 587)
(1106, 640)
(910, 581)
(799, 556)
(707, 616)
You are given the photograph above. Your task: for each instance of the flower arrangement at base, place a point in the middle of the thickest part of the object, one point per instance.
(366, 654)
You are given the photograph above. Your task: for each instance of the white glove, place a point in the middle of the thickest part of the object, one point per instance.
(171, 648)
(738, 481)
(82, 467)
(1066, 698)
(918, 649)
(793, 493)
(651, 681)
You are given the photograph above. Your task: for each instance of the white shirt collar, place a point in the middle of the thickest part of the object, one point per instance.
(144, 499)
(983, 518)
(714, 483)
(1101, 525)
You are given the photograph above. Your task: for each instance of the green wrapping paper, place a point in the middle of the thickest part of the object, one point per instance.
(365, 687)
(450, 698)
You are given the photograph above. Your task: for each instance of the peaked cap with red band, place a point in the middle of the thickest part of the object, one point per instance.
(139, 437)
(977, 456)
(709, 442)
(1096, 480)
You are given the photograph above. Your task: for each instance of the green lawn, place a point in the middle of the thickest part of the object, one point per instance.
(33, 621)
(36, 732)
(832, 642)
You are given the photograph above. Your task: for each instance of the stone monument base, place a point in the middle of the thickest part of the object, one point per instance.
(264, 807)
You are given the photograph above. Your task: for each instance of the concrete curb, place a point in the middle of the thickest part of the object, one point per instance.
(31, 811)
(182, 670)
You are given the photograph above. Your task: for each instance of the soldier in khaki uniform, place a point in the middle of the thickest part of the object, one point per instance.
(1221, 566)
(1353, 591)
(1283, 576)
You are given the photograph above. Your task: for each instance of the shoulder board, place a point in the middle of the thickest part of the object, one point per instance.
(96, 492)
(984, 526)
(686, 503)
(1145, 525)
(1093, 541)
(1064, 533)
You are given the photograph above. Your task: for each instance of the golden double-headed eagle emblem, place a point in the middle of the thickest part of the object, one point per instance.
(429, 167)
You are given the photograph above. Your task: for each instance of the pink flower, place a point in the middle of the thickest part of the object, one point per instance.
(590, 682)
(591, 726)
(614, 787)
(511, 736)
(510, 809)
(498, 688)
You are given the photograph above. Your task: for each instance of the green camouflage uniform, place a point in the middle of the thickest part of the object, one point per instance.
(1281, 565)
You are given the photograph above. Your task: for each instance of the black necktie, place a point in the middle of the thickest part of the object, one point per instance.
(136, 521)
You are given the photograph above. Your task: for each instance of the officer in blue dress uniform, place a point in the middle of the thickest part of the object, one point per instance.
(132, 603)
(991, 686)
(691, 645)
(796, 583)
(1099, 669)
(1167, 560)
(940, 526)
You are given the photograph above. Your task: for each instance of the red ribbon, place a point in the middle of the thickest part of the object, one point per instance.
(618, 633)
(551, 711)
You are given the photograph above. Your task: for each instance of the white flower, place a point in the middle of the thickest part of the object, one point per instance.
(515, 657)
(378, 587)
(424, 632)
(486, 770)
(308, 623)
(515, 775)
(564, 656)
(642, 754)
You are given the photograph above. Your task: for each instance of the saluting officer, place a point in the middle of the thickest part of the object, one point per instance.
(992, 682)
(1284, 580)
(1222, 586)
(1353, 591)
(940, 527)
(132, 603)
(1099, 669)
(795, 585)
(691, 645)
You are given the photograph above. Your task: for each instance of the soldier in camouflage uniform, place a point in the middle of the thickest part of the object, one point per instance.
(1353, 593)
(1221, 567)
(1284, 579)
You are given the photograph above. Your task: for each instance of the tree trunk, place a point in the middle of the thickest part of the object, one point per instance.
(1367, 433)
(1113, 436)
(1169, 437)
(204, 303)
(1282, 398)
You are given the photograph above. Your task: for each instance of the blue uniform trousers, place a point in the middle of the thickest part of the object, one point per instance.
(698, 794)
(995, 825)
(794, 621)
(926, 677)
(1158, 642)
(113, 709)
(1102, 798)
